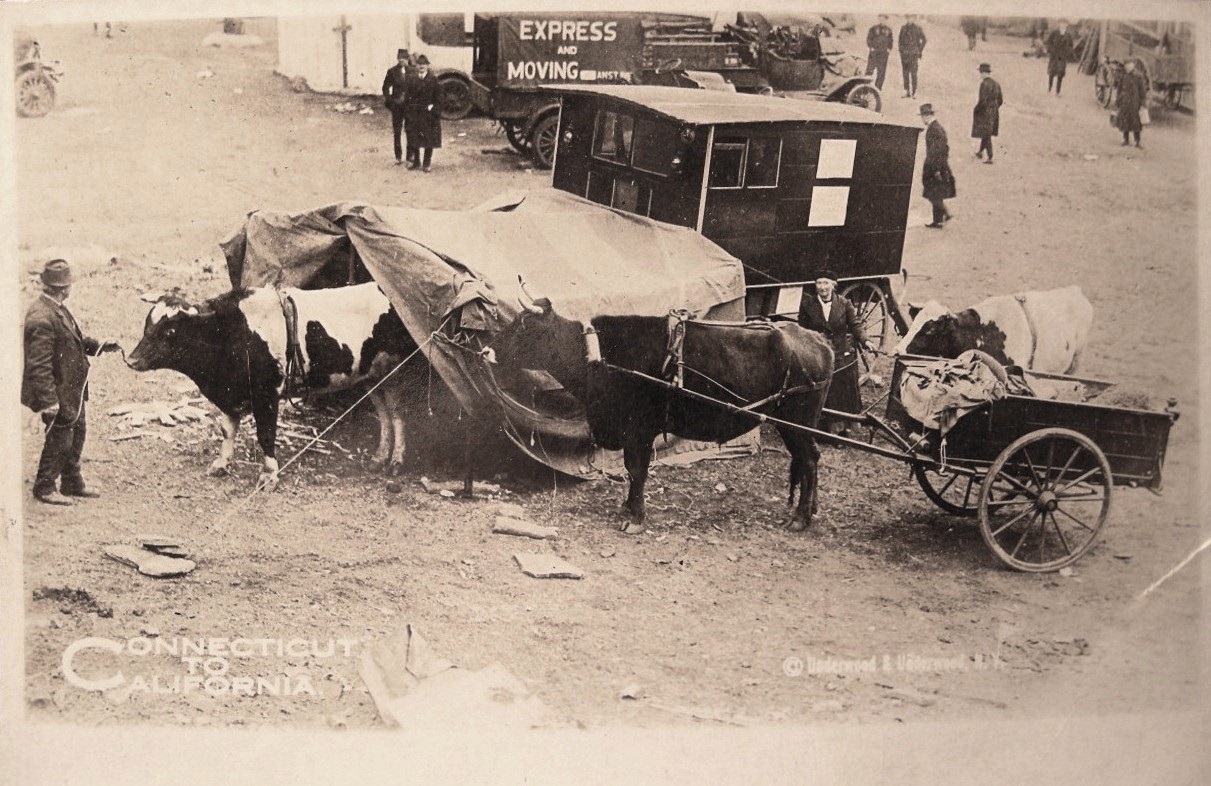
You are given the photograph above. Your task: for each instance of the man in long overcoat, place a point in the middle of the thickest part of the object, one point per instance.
(986, 117)
(1132, 96)
(936, 177)
(1060, 52)
(422, 109)
(879, 42)
(912, 49)
(393, 98)
(54, 383)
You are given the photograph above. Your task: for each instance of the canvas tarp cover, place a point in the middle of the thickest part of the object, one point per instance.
(453, 276)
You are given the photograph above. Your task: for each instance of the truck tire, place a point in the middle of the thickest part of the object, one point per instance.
(543, 140)
(456, 97)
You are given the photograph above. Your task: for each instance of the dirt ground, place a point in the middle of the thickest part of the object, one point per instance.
(145, 164)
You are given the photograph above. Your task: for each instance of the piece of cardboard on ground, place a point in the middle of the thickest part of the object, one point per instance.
(507, 525)
(149, 563)
(414, 688)
(547, 566)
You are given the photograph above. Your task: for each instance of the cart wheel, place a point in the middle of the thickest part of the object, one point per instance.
(953, 492)
(1045, 500)
(455, 98)
(35, 94)
(542, 141)
(870, 304)
(519, 142)
(867, 97)
(1103, 85)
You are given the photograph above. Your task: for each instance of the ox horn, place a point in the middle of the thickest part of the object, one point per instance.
(150, 297)
(532, 306)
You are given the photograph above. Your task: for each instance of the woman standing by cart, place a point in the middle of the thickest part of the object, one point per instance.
(828, 313)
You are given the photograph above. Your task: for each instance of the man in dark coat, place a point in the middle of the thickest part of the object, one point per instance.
(986, 117)
(1060, 52)
(54, 384)
(938, 180)
(394, 91)
(827, 312)
(912, 49)
(971, 27)
(879, 41)
(422, 101)
(1132, 96)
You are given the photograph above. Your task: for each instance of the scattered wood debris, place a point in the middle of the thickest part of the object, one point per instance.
(547, 566)
(506, 525)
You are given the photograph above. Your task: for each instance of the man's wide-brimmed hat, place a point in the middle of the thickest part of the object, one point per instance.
(985, 68)
(926, 109)
(57, 273)
(422, 60)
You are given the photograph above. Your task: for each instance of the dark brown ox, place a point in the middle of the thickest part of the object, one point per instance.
(783, 365)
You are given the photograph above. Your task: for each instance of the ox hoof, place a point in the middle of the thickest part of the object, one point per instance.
(217, 471)
(267, 481)
(378, 464)
(633, 528)
(395, 469)
(797, 525)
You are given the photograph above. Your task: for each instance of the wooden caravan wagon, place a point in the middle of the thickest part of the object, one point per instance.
(791, 188)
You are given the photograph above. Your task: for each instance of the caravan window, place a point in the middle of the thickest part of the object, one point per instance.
(741, 162)
(655, 146)
(613, 137)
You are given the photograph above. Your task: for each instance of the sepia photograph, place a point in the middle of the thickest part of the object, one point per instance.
(586, 393)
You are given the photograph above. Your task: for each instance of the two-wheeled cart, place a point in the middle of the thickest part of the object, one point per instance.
(1036, 473)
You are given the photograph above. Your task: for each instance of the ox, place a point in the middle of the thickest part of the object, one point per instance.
(1042, 331)
(784, 368)
(239, 347)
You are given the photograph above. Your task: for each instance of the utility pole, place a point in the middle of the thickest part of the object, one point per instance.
(344, 31)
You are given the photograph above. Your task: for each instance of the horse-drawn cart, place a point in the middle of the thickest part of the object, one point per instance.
(1164, 52)
(1036, 472)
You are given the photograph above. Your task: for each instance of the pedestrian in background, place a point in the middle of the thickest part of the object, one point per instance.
(970, 26)
(936, 177)
(1060, 52)
(986, 117)
(912, 49)
(422, 98)
(879, 41)
(54, 383)
(1132, 97)
(829, 313)
(393, 99)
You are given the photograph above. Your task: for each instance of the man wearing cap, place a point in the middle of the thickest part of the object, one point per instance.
(986, 117)
(912, 49)
(1060, 52)
(55, 385)
(422, 113)
(878, 40)
(393, 98)
(936, 176)
(829, 313)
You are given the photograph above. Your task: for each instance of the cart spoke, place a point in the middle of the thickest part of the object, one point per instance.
(1075, 519)
(1009, 523)
(1004, 503)
(1068, 463)
(1081, 479)
(1060, 532)
(1033, 472)
(1021, 487)
(1025, 531)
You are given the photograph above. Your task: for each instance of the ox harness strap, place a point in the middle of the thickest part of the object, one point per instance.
(1034, 331)
(295, 383)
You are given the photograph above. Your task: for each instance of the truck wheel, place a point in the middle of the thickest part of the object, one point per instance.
(543, 139)
(456, 98)
(513, 133)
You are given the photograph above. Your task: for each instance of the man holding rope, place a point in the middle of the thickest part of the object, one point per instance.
(55, 385)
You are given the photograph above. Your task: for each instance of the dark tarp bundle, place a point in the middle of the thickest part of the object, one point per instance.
(453, 276)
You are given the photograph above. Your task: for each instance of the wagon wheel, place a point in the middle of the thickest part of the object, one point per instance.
(1045, 500)
(513, 132)
(870, 306)
(543, 139)
(1173, 98)
(35, 94)
(867, 97)
(1103, 85)
(953, 492)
